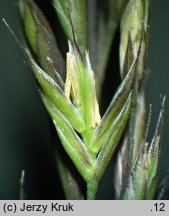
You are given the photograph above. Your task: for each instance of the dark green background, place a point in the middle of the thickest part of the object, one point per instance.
(24, 124)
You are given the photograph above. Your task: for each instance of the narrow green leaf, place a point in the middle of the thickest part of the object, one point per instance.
(42, 41)
(111, 141)
(72, 15)
(71, 142)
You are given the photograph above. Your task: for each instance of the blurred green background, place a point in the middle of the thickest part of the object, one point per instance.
(25, 138)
